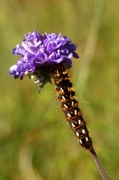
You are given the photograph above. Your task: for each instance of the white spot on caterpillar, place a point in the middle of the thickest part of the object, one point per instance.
(72, 103)
(79, 121)
(37, 81)
(61, 90)
(63, 97)
(83, 131)
(68, 114)
(72, 124)
(86, 139)
(65, 105)
(80, 141)
(33, 77)
(75, 112)
(77, 134)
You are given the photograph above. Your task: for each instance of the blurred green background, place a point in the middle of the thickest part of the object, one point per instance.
(36, 142)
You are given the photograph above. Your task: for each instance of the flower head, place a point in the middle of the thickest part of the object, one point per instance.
(39, 50)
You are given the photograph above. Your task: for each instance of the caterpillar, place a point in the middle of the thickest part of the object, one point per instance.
(69, 106)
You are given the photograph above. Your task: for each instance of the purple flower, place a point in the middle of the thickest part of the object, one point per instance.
(39, 50)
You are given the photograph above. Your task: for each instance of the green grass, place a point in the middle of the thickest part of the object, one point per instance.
(36, 142)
